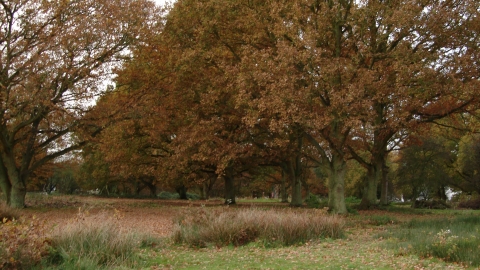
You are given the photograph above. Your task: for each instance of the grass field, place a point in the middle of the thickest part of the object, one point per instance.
(73, 232)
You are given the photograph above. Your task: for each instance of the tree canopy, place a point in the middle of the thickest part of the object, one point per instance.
(55, 56)
(221, 89)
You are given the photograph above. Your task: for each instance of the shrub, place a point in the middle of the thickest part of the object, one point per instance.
(471, 204)
(164, 195)
(312, 201)
(23, 243)
(352, 200)
(351, 210)
(271, 227)
(434, 204)
(91, 242)
(193, 196)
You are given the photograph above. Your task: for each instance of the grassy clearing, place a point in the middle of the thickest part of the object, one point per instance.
(202, 227)
(354, 252)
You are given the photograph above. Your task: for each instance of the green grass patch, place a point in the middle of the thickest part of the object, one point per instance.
(353, 200)
(453, 239)
(324, 254)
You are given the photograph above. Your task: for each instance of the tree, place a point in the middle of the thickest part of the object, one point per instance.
(417, 63)
(302, 85)
(55, 55)
(211, 139)
(424, 168)
(467, 165)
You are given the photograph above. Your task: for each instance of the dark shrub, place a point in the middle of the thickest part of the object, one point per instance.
(472, 204)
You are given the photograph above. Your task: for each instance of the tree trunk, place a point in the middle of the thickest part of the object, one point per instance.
(441, 194)
(153, 190)
(5, 184)
(229, 187)
(18, 189)
(295, 170)
(17, 196)
(296, 186)
(182, 191)
(12, 183)
(203, 191)
(384, 186)
(375, 175)
(369, 199)
(336, 185)
(296, 191)
(284, 187)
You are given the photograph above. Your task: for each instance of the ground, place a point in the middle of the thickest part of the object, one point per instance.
(360, 249)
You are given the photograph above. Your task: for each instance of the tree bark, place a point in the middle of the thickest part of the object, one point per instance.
(5, 184)
(384, 186)
(203, 191)
(229, 187)
(376, 173)
(182, 191)
(13, 181)
(296, 191)
(336, 185)
(376, 168)
(369, 199)
(284, 188)
(295, 171)
(18, 191)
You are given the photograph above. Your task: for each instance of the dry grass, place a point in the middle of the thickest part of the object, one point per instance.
(92, 241)
(359, 248)
(223, 226)
(7, 213)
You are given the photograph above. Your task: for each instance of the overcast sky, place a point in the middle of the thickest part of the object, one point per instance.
(160, 2)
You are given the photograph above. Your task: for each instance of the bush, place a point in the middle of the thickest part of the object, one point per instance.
(226, 226)
(471, 204)
(164, 195)
(352, 200)
(434, 204)
(92, 242)
(23, 243)
(312, 201)
(193, 196)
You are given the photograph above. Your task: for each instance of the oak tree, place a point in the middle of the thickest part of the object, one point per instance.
(55, 56)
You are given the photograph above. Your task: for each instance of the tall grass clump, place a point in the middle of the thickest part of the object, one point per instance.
(279, 227)
(7, 213)
(94, 242)
(453, 240)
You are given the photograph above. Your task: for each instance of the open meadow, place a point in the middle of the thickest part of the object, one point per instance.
(76, 232)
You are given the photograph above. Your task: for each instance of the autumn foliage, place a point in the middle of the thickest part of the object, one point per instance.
(223, 93)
